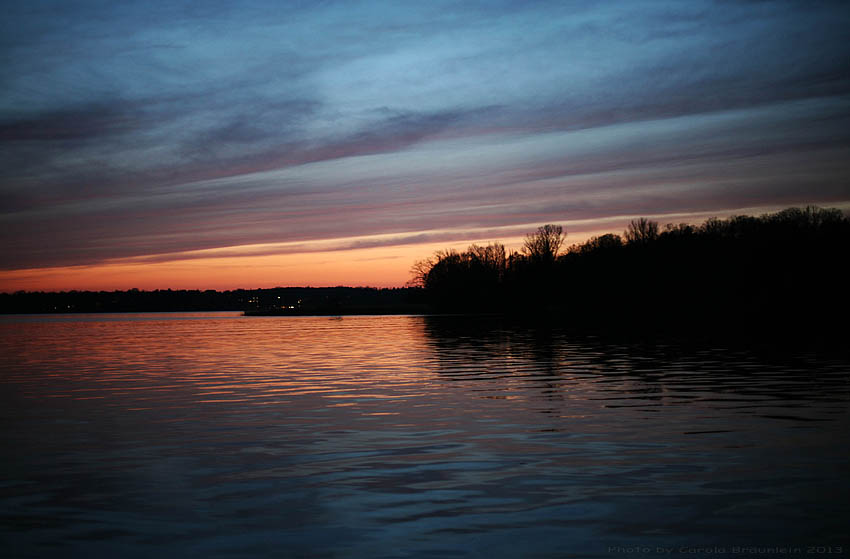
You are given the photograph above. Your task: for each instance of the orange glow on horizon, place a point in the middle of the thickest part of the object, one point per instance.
(267, 266)
(328, 264)
(373, 267)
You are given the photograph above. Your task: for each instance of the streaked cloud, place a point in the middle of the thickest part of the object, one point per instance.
(162, 130)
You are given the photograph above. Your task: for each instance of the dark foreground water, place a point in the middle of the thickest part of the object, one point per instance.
(216, 435)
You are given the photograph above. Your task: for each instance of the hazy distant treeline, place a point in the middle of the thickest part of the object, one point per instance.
(786, 267)
(296, 299)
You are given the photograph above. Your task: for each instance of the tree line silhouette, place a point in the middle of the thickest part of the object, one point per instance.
(783, 269)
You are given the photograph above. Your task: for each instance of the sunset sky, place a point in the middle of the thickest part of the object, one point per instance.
(255, 144)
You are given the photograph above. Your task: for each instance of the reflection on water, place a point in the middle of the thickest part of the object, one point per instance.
(221, 435)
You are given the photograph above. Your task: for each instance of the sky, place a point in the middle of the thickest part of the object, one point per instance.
(219, 145)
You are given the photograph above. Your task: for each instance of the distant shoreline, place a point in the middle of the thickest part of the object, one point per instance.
(278, 300)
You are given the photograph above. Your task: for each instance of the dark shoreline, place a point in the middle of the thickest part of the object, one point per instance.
(312, 299)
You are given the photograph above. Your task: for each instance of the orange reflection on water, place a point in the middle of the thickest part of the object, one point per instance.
(132, 359)
(453, 423)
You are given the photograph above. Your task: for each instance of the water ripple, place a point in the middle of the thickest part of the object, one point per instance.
(217, 434)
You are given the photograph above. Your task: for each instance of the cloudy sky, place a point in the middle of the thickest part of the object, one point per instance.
(235, 144)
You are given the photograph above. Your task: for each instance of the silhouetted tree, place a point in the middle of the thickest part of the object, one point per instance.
(491, 257)
(468, 279)
(607, 241)
(641, 231)
(545, 244)
(419, 271)
(680, 230)
(712, 227)
(755, 268)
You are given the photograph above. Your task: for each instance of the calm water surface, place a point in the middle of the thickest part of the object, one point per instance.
(217, 435)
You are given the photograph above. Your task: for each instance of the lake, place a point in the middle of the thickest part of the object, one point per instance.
(218, 435)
